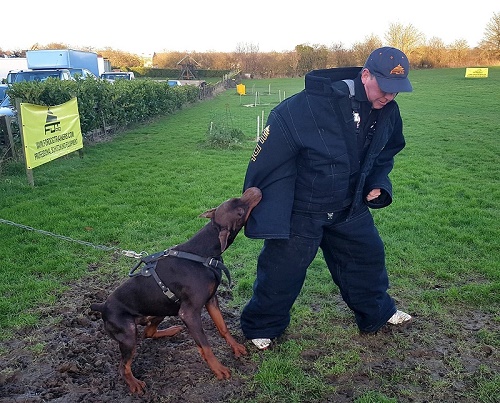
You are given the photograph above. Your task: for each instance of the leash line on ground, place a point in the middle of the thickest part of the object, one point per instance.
(126, 253)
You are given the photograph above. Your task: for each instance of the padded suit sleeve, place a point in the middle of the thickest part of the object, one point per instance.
(379, 175)
(272, 168)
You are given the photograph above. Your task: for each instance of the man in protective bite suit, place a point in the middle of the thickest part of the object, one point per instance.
(322, 161)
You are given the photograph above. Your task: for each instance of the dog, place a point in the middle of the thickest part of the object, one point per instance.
(178, 282)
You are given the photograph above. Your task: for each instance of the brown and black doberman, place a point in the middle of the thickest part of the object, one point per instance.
(178, 281)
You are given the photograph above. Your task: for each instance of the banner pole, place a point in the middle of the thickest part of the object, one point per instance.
(29, 171)
(8, 120)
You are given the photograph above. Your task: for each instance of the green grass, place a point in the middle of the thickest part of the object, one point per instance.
(145, 189)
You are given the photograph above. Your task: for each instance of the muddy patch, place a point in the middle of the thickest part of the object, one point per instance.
(71, 359)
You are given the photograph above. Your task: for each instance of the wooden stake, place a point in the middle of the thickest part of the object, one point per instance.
(29, 171)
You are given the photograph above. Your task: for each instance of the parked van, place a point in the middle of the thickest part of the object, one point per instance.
(7, 109)
(42, 75)
(118, 75)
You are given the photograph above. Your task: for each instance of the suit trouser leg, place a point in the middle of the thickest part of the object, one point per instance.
(354, 253)
(281, 270)
(355, 256)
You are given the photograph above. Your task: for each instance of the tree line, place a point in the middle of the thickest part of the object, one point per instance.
(247, 58)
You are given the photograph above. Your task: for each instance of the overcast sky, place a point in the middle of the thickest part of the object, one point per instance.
(222, 25)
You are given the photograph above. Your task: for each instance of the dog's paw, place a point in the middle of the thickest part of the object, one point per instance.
(222, 372)
(239, 350)
(135, 385)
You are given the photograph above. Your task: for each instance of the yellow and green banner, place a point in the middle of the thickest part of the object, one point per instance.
(49, 132)
(476, 72)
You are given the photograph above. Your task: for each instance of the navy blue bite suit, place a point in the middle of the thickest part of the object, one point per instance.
(315, 165)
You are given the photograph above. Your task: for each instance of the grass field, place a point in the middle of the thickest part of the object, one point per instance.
(144, 189)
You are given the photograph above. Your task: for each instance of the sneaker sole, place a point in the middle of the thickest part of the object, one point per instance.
(261, 344)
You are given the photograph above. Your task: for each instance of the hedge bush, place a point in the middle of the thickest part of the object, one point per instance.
(108, 104)
(175, 73)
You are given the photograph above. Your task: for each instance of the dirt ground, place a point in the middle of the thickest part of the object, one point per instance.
(71, 359)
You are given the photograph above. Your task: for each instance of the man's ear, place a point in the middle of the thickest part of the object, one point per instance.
(209, 213)
(365, 75)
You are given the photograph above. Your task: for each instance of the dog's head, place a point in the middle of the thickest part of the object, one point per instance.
(232, 215)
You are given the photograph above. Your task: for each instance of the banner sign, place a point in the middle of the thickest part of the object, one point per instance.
(476, 72)
(49, 132)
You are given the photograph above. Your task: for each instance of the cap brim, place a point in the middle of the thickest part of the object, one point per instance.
(394, 85)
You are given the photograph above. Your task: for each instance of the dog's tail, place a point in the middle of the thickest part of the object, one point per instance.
(99, 307)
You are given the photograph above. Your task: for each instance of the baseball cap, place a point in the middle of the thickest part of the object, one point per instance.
(390, 67)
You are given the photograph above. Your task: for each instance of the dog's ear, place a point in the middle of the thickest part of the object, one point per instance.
(223, 238)
(209, 213)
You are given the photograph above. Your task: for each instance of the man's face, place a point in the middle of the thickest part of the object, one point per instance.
(375, 95)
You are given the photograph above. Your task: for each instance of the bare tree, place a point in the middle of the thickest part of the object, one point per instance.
(167, 60)
(407, 38)
(121, 59)
(292, 63)
(339, 56)
(311, 57)
(247, 53)
(320, 56)
(305, 54)
(362, 50)
(220, 61)
(491, 40)
(275, 64)
(458, 52)
(434, 53)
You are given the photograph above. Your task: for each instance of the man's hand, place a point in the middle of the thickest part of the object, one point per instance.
(373, 194)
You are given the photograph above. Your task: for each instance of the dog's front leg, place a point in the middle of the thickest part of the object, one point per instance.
(214, 311)
(192, 319)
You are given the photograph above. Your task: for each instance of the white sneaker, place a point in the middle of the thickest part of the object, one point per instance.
(399, 318)
(261, 344)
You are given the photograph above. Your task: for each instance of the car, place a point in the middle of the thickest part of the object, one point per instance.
(42, 75)
(117, 75)
(6, 108)
(11, 76)
(82, 73)
(3, 91)
(174, 83)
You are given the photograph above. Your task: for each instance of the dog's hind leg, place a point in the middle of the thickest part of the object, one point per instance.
(151, 331)
(126, 336)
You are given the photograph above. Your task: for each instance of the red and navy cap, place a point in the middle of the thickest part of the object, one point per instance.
(390, 67)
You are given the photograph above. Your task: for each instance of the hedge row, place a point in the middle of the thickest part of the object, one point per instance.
(175, 73)
(104, 104)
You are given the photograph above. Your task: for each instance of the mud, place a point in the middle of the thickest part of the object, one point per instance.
(69, 358)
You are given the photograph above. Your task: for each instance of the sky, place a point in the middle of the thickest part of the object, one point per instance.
(223, 26)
